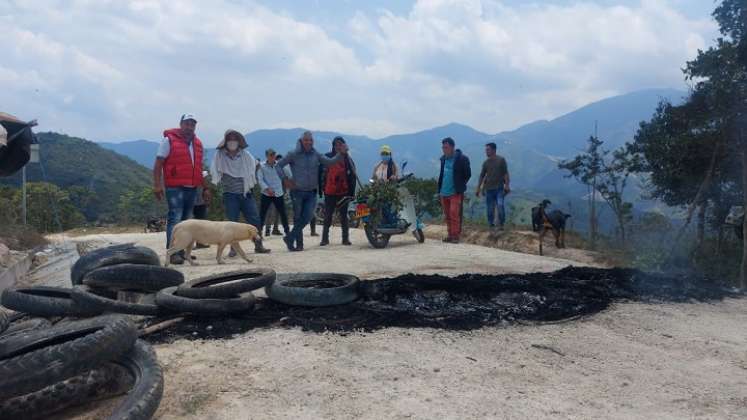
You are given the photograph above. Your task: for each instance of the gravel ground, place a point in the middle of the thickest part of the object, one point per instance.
(632, 361)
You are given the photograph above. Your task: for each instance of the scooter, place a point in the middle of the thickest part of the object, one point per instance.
(406, 220)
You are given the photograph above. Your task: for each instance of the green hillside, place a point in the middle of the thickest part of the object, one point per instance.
(94, 177)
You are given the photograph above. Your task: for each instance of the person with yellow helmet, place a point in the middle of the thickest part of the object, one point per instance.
(386, 169)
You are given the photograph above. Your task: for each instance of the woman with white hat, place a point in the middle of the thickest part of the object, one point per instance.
(234, 169)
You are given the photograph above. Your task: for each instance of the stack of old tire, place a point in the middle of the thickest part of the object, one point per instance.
(51, 358)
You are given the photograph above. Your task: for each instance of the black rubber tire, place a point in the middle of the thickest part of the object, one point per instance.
(4, 321)
(419, 235)
(143, 400)
(90, 301)
(39, 359)
(301, 289)
(108, 380)
(117, 254)
(377, 240)
(136, 277)
(44, 301)
(22, 327)
(226, 285)
(237, 304)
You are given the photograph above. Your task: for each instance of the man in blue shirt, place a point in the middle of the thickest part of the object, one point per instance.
(452, 182)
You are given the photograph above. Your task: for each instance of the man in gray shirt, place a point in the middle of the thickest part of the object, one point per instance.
(304, 162)
(494, 180)
(270, 178)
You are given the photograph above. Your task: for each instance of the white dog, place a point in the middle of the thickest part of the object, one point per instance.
(188, 232)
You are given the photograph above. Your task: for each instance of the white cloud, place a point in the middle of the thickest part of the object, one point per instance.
(127, 69)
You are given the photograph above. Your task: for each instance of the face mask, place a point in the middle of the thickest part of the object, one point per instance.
(386, 158)
(232, 145)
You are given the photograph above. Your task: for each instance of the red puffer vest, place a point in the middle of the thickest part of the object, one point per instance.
(337, 179)
(178, 170)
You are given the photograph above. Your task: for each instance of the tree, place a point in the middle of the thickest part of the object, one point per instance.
(586, 168)
(696, 151)
(49, 208)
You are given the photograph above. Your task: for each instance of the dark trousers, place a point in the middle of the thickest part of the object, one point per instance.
(236, 204)
(200, 212)
(279, 204)
(330, 206)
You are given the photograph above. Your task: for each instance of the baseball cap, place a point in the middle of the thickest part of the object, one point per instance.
(188, 117)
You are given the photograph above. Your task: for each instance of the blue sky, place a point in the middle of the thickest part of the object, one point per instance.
(120, 70)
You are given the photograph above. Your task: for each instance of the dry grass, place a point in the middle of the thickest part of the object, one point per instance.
(21, 238)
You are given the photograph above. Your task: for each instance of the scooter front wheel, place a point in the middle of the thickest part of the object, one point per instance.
(375, 238)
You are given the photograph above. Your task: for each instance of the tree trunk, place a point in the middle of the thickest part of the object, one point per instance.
(743, 276)
(701, 223)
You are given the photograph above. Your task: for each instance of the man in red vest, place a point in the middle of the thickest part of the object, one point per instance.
(178, 167)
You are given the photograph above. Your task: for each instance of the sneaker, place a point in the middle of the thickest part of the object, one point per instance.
(346, 242)
(314, 234)
(288, 242)
(176, 259)
(324, 242)
(275, 232)
(231, 253)
(260, 249)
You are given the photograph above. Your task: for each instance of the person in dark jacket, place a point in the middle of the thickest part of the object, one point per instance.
(452, 183)
(304, 162)
(338, 184)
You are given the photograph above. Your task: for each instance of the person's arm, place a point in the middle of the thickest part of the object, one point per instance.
(158, 178)
(507, 181)
(467, 170)
(334, 159)
(480, 181)
(287, 159)
(263, 183)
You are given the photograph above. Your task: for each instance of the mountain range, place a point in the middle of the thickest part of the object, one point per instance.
(532, 150)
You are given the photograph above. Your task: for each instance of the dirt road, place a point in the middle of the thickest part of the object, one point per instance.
(633, 361)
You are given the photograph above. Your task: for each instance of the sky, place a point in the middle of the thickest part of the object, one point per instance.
(115, 70)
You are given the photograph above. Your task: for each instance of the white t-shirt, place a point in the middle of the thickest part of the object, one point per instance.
(164, 149)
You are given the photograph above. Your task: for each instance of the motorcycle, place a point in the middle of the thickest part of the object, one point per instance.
(406, 220)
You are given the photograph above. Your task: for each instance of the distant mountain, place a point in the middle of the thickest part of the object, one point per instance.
(533, 150)
(617, 119)
(98, 176)
(141, 151)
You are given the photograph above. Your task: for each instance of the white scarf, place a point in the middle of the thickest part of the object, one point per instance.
(241, 166)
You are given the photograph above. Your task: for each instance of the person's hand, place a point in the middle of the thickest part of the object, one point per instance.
(506, 189)
(269, 192)
(477, 193)
(207, 196)
(158, 192)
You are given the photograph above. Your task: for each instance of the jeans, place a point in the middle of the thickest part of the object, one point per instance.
(181, 202)
(452, 206)
(304, 203)
(278, 203)
(244, 204)
(330, 206)
(495, 198)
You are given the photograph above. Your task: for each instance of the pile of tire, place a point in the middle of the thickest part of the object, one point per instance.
(45, 369)
(67, 346)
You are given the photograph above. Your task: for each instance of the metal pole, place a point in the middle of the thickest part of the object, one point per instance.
(23, 194)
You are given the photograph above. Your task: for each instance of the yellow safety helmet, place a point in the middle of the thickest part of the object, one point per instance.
(386, 149)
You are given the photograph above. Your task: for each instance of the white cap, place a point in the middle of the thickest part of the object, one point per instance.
(188, 117)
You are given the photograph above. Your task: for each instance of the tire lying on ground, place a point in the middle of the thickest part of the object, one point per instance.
(93, 302)
(146, 278)
(237, 304)
(108, 380)
(4, 321)
(314, 289)
(117, 254)
(33, 361)
(44, 301)
(143, 400)
(228, 284)
(23, 327)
